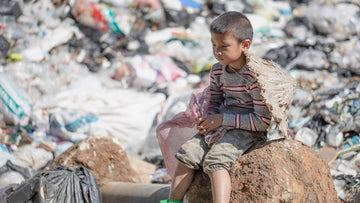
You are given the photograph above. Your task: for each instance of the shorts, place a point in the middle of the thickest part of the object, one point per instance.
(196, 154)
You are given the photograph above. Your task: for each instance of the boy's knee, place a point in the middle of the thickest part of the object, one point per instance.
(209, 169)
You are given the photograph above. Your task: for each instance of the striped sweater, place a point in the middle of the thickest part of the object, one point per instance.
(237, 97)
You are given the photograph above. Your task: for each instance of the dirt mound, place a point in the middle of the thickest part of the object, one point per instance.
(280, 171)
(106, 160)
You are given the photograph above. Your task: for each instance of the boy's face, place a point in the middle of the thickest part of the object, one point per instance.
(227, 50)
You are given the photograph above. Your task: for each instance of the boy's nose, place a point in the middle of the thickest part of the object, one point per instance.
(218, 52)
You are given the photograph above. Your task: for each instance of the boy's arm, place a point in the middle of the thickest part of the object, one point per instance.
(259, 120)
(216, 97)
(213, 120)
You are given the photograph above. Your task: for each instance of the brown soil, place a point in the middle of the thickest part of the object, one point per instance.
(280, 171)
(107, 161)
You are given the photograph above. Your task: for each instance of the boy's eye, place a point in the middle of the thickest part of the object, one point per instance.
(222, 46)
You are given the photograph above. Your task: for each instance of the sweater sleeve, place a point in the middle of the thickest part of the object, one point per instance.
(216, 96)
(258, 120)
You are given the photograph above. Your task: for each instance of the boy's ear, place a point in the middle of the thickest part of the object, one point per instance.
(246, 44)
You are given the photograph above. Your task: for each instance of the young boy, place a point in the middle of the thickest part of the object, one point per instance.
(237, 115)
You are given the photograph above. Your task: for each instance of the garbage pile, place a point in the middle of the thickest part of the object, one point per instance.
(74, 68)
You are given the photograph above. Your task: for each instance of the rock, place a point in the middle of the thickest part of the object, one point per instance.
(106, 160)
(281, 171)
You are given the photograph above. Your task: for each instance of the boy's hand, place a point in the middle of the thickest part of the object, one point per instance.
(209, 123)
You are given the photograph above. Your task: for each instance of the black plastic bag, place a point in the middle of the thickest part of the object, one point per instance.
(60, 184)
(12, 8)
(4, 47)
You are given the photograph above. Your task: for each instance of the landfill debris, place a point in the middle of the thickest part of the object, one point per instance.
(52, 185)
(123, 68)
(10, 8)
(15, 103)
(161, 175)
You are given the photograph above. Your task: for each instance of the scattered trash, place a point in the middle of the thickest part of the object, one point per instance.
(52, 185)
(70, 69)
(161, 175)
(15, 105)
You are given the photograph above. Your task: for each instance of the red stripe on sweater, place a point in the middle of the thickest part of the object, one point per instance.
(217, 69)
(266, 120)
(250, 75)
(252, 88)
(255, 104)
(241, 107)
(252, 124)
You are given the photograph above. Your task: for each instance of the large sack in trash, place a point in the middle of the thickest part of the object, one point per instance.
(15, 104)
(105, 158)
(281, 171)
(59, 184)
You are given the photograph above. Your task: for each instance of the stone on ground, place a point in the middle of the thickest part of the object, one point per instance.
(106, 160)
(280, 171)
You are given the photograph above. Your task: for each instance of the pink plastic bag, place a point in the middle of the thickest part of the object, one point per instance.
(173, 133)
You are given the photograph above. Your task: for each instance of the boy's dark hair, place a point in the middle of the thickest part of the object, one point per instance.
(234, 22)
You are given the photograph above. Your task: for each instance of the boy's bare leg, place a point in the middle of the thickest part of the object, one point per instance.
(181, 182)
(221, 186)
